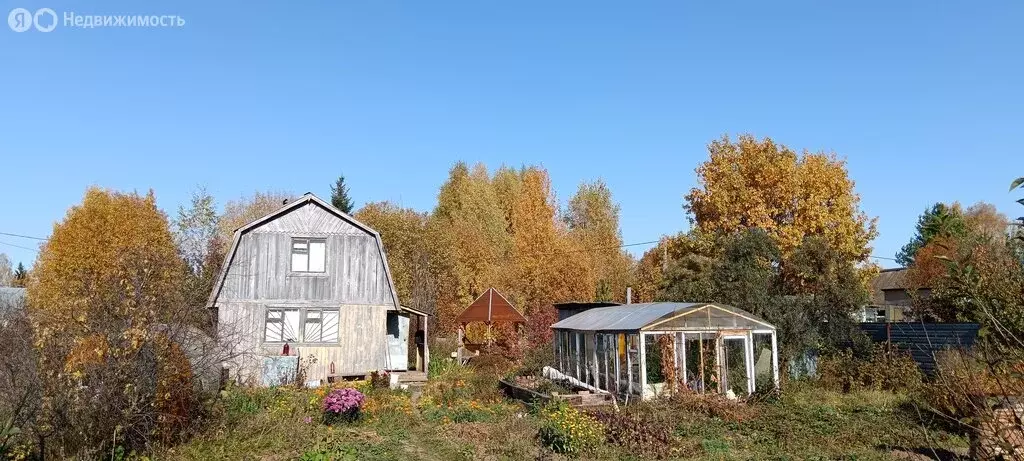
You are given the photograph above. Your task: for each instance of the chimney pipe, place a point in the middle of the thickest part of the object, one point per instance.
(629, 295)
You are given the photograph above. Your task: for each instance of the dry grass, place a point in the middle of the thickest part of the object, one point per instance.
(805, 422)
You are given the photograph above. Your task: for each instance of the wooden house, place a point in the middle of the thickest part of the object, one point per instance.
(891, 297)
(314, 278)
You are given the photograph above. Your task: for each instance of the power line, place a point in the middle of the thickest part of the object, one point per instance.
(18, 246)
(582, 250)
(23, 236)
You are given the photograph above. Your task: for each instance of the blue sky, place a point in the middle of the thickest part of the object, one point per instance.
(924, 99)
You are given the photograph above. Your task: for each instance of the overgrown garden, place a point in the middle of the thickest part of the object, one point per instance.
(106, 359)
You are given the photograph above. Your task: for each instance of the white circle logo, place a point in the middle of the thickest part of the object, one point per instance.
(39, 24)
(20, 19)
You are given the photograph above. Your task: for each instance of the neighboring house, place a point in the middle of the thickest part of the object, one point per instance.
(890, 297)
(314, 278)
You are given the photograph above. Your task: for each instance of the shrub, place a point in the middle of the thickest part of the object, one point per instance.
(441, 350)
(682, 404)
(19, 382)
(456, 382)
(380, 379)
(342, 405)
(567, 430)
(883, 369)
(493, 364)
(967, 387)
(637, 431)
(535, 359)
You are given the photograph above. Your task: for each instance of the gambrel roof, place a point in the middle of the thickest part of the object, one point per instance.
(306, 199)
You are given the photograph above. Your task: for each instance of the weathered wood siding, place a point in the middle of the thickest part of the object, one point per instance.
(261, 267)
(355, 281)
(363, 344)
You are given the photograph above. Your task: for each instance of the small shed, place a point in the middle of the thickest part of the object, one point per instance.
(569, 309)
(646, 350)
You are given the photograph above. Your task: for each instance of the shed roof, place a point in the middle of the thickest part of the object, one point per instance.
(491, 306)
(891, 279)
(648, 316)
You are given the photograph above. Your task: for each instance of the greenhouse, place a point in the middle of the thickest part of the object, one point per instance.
(651, 349)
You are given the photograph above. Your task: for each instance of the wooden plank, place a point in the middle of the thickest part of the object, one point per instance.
(261, 270)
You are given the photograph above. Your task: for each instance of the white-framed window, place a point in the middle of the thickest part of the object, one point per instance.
(301, 325)
(320, 326)
(282, 325)
(309, 254)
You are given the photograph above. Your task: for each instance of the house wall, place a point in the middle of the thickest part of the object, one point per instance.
(355, 281)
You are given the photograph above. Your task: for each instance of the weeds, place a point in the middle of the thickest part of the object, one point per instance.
(456, 418)
(568, 430)
(638, 431)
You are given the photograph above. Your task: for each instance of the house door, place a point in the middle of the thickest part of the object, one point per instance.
(398, 342)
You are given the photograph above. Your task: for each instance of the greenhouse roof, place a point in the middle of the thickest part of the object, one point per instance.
(666, 315)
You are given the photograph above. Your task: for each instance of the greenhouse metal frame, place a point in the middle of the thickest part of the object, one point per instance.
(709, 347)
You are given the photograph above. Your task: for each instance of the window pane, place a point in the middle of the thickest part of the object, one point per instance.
(300, 262)
(290, 326)
(281, 325)
(329, 325)
(272, 331)
(312, 326)
(763, 371)
(317, 256)
(298, 245)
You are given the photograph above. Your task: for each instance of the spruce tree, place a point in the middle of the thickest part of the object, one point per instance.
(339, 196)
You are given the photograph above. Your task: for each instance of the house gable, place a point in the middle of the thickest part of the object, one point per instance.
(257, 265)
(309, 218)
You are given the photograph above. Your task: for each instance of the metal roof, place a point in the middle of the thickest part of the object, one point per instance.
(640, 316)
(584, 305)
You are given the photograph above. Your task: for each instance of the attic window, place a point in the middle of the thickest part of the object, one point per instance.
(309, 255)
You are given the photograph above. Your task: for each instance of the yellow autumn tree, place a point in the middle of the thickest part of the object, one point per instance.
(245, 210)
(504, 231)
(592, 218)
(547, 265)
(105, 300)
(758, 183)
(534, 240)
(403, 233)
(466, 239)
